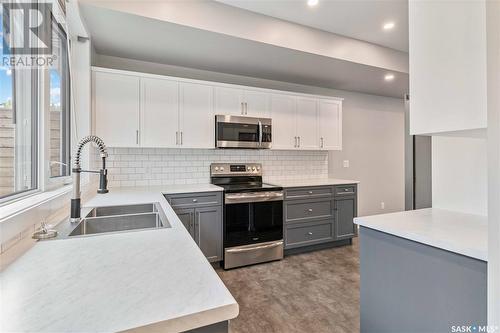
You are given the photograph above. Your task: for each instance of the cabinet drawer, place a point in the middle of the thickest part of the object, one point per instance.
(309, 192)
(345, 190)
(301, 210)
(194, 199)
(308, 234)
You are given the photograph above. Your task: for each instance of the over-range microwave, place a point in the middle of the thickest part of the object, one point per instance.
(242, 132)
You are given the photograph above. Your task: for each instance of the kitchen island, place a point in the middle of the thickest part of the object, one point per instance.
(148, 280)
(423, 271)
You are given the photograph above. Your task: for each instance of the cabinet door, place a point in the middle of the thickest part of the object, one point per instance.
(307, 123)
(208, 232)
(116, 109)
(228, 101)
(345, 212)
(283, 115)
(187, 218)
(330, 124)
(159, 112)
(197, 129)
(256, 104)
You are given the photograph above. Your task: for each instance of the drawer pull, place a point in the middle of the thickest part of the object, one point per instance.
(309, 233)
(195, 200)
(346, 190)
(310, 210)
(310, 192)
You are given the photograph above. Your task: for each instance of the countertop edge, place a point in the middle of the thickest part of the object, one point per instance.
(191, 321)
(474, 254)
(447, 245)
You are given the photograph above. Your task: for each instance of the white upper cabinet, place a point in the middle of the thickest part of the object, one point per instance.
(256, 103)
(447, 66)
(307, 123)
(229, 101)
(283, 116)
(116, 108)
(144, 110)
(241, 102)
(197, 116)
(330, 124)
(159, 113)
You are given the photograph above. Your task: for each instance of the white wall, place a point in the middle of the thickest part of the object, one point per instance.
(373, 143)
(373, 132)
(459, 174)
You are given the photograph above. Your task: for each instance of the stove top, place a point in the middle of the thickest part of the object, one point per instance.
(240, 177)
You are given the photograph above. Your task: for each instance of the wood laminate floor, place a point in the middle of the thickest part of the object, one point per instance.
(311, 292)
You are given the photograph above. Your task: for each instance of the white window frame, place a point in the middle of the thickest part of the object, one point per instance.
(44, 182)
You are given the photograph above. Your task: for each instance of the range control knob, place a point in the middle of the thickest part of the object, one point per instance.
(221, 168)
(258, 169)
(216, 168)
(253, 168)
(248, 168)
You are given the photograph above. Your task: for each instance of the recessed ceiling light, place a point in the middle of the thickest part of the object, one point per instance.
(389, 77)
(389, 25)
(312, 3)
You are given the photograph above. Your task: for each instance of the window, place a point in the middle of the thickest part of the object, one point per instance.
(34, 114)
(59, 106)
(18, 121)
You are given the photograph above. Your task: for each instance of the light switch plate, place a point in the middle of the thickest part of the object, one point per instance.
(346, 163)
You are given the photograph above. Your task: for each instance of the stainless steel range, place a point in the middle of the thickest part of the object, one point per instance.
(253, 214)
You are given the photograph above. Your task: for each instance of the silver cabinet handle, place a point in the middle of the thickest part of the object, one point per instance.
(260, 133)
(322, 143)
(195, 200)
(310, 210)
(295, 141)
(197, 227)
(176, 138)
(310, 192)
(246, 108)
(299, 141)
(181, 138)
(242, 109)
(137, 136)
(309, 233)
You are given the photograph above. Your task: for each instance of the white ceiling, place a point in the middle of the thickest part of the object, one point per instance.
(360, 19)
(132, 36)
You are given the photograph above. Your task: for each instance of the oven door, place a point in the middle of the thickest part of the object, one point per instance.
(252, 222)
(242, 132)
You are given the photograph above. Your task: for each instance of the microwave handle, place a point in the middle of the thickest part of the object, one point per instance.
(260, 133)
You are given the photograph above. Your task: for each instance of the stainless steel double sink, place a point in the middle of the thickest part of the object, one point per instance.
(111, 219)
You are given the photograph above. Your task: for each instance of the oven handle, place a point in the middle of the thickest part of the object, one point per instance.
(253, 248)
(261, 197)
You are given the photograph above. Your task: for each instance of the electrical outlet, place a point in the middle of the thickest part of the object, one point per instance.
(346, 163)
(382, 205)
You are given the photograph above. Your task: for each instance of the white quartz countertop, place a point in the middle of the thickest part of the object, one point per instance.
(313, 182)
(155, 279)
(465, 234)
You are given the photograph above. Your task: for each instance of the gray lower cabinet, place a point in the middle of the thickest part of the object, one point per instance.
(345, 211)
(201, 214)
(208, 231)
(320, 214)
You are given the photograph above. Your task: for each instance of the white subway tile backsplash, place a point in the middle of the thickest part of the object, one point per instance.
(162, 166)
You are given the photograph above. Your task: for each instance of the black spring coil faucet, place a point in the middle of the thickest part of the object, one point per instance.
(77, 170)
